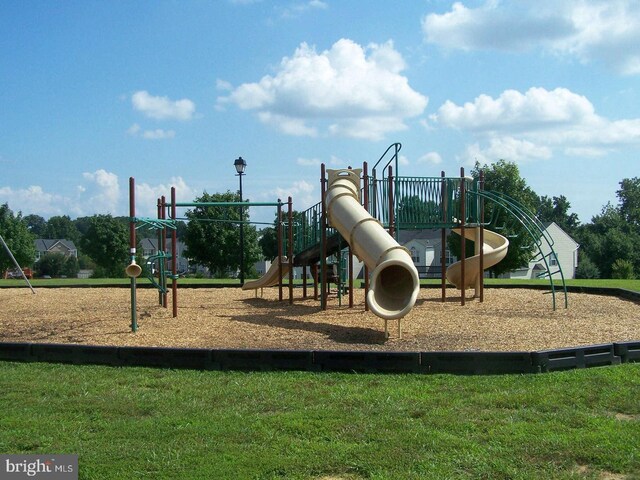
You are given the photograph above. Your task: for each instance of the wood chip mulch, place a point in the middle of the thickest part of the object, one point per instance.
(507, 320)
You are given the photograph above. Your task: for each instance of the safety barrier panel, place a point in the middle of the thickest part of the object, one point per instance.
(466, 363)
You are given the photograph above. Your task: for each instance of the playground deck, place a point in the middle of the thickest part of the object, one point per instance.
(508, 320)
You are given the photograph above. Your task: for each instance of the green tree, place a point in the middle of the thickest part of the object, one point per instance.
(16, 235)
(213, 234)
(107, 243)
(586, 268)
(62, 227)
(51, 264)
(556, 210)
(268, 242)
(622, 269)
(629, 197)
(268, 237)
(36, 225)
(416, 213)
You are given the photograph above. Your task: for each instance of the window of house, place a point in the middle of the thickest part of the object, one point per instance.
(415, 256)
(553, 260)
(449, 258)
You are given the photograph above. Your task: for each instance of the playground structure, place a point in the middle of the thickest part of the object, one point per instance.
(364, 221)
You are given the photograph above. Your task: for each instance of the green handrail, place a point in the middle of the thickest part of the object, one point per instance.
(536, 231)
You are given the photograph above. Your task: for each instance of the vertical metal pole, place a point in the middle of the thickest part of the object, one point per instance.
(174, 256)
(392, 228)
(443, 238)
(132, 250)
(159, 238)
(365, 275)
(304, 281)
(241, 234)
(15, 262)
(463, 245)
(163, 247)
(314, 274)
(481, 215)
(323, 240)
(350, 265)
(280, 249)
(290, 247)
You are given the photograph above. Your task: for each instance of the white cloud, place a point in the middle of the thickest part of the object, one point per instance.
(135, 130)
(104, 191)
(297, 9)
(606, 31)
(302, 192)
(158, 134)
(34, 199)
(162, 108)
(431, 158)
(308, 162)
(521, 127)
(507, 148)
(513, 111)
(147, 195)
(223, 85)
(348, 90)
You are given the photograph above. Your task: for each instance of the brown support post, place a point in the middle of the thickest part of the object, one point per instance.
(132, 251)
(304, 282)
(314, 274)
(463, 245)
(481, 221)
(290, 248)
(163, 247)
(174, 256)
(160, 295)
(365, 275)
(323, 254)
(280, 253)
(443, 240)
(392, 229)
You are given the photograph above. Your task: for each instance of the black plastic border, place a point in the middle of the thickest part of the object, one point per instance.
(462, 363)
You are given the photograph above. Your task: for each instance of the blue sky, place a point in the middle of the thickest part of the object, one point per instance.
(171, 92)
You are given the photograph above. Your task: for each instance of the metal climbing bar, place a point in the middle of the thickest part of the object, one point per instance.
(536, 231)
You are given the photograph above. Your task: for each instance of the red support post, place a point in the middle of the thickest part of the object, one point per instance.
(323, 236)
(443, 238)
(290, 247)
(481, 221)
(463, 246)
(280, 249)
(174, 256)
(392, 229)
(365, 275)
(163, 247)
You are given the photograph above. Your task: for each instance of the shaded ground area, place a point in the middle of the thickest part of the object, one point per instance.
(508, 320)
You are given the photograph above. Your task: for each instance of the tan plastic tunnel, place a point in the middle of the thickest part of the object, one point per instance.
(394, 280)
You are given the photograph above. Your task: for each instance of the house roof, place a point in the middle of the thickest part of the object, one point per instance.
(46, 244)
(555, 226)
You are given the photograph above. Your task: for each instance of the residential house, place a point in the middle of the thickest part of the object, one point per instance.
(46, 245)
(566, 256)
(425, 247)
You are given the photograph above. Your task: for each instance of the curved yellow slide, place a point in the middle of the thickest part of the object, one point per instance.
(494, 249)
(394, 279)
(271, 277)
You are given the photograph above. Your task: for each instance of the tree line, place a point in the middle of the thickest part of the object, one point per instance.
(609, 243)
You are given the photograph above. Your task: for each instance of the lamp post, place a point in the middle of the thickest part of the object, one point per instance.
(240, 165)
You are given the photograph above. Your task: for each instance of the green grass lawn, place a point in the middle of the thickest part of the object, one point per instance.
(130, 423)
